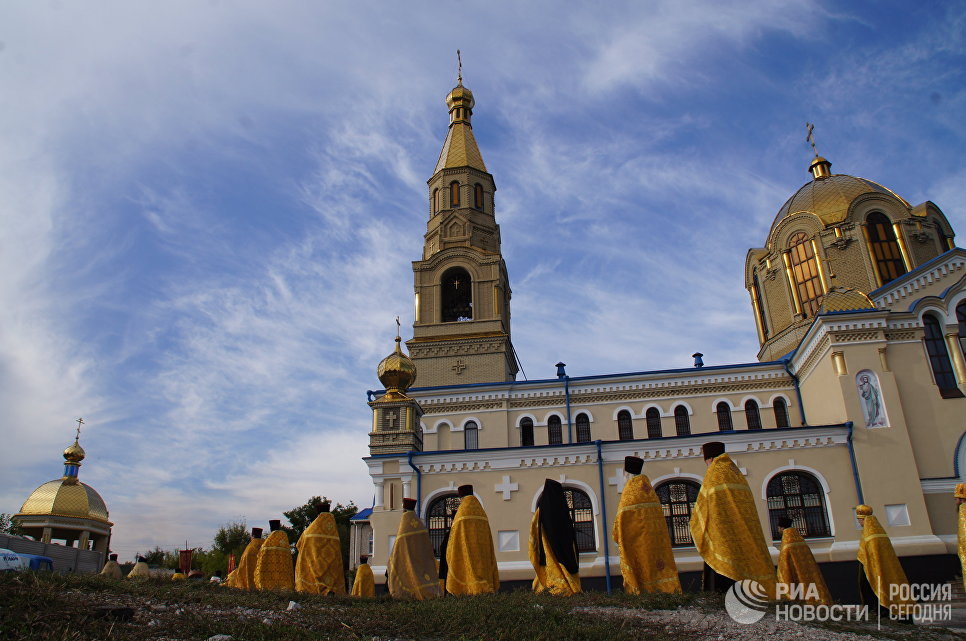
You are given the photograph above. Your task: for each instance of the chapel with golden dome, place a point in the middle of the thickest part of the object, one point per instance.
(67, 510)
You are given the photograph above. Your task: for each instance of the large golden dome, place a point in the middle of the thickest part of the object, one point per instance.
(397, 372)
(830, 197)
(66, 497)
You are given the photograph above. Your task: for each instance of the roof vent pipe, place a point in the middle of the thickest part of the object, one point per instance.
(561, 372)
(697, 359)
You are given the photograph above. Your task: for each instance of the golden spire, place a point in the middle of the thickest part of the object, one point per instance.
(820, 167)
(460, 148)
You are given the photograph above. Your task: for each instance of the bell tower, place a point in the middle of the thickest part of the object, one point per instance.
(461, 331)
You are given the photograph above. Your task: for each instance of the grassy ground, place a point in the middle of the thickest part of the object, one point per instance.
(50, 607)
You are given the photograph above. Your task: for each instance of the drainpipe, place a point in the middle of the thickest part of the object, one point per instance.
(603, 511)
(798, 393)
(855, 467)
(419, 482)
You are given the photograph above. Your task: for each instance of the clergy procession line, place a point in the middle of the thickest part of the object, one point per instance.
(724, 526)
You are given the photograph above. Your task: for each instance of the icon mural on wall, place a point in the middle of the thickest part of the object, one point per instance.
(873, 409)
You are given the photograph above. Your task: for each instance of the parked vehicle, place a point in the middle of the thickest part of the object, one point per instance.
(12, 562)
(38, 563)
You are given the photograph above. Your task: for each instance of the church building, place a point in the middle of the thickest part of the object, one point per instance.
(857, 396)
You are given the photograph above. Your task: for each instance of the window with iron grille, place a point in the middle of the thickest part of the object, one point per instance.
(554, 431)
(471, 435)
(724, 417)
(781, 412)
(682, 423)
(625, 426)
(885, 248)
(798, 496)
(677, 500)
(582, 515)
(752, 415)
(653, 418)
(942, 368)
(439, 518)
(526, 431)
(583, 428)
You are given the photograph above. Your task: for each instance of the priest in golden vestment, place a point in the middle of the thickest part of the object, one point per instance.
(274, 569)
(243, 577)
(640, 530)
(470, 559)
(112, 569)
(726, 529)
(140, 570)
(364, 584)
(880, 568)
(796, 565)
(553, 544)
(412, 564)
(960, 501)
(319, 566)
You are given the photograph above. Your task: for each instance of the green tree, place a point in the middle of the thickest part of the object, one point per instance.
(7, 526)
(301, 517)
(231, 538)
(160, 558)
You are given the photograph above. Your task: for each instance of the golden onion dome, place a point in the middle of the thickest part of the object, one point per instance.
(397, 372)
(829, 195)
(460, 94)
(75, 453)
(61, 497)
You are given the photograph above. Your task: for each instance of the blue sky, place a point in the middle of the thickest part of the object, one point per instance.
(210, 209)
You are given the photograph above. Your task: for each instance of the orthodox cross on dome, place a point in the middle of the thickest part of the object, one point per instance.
(79, 421)
(459, 73)
(810, 138)
(398, 326)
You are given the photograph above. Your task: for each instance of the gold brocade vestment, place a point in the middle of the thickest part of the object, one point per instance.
(412, 565)
(552, 577)
(796, 565)
(882, 568)
(962, 540)
(319, 566)
(112, 570)
(274, 570)
(140, 570)
(725, 527)
(243, 577)
(640, 530)
(364, 584)
(469, 554)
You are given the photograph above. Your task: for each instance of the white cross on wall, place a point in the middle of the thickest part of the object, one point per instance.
(619, 479)
(507, 488)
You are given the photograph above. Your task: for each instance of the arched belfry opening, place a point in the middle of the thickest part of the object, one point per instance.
(456, 295)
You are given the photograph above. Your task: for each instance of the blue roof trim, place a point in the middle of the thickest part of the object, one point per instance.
(910, 274)
(362, 515)
(529, 448)
(592, 377)
(864, 310)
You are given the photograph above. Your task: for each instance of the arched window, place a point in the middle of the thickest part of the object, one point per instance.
(752, 415)
(805, 270)
(724, 417)
(583, 428)
(471, 435)
(478, 196)
(756, 289)
(526, 431)
(554, 432)
(682, 424)
(942, 368)
(439, 518)
(653, 418)
(677, 500)
(625, 426)
(781, 412)
(885, 249)
(582, 516)
(454, 194)
(435, 202)
(798, 496)
(961, 317)
(457, 295)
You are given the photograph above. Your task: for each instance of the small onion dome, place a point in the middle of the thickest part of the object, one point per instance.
(841, 299)
(75, 453)
(461, 96)
(397, 372)
(863, 510)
